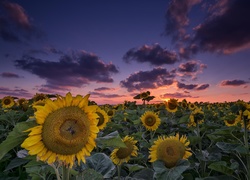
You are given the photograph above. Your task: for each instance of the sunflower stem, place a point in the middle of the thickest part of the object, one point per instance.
(119, 171)
(246, 146)
(202, 163)
(65, 173)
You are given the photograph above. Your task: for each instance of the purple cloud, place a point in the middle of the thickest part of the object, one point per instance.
(176, 95)
(155, 55)
(235, 82)
(17, 92)
(104, 89)
(191, 69)
(15, 25)
(72, 70)
(192, 86)
(144, 80)
(177, 17)
(93, 94)
(227, 29)
(10, 75)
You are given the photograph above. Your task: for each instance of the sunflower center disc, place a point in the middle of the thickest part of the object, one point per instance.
(125, 152)
(171, 152)
(150, 121)
(7, 101)
(100, 118)
(66, 130)
(172, 106)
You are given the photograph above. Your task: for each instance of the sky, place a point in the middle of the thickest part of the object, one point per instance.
(196, 50)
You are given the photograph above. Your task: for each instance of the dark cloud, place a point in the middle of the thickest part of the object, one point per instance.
(191, 68)
(104, 89)
(10, 75)
(228, 30)
(192, 86)
(148, 79)
(202, 87)
(72, 70)
(177, 17)
(235, 82)
(17, 92)
(176, 95)
(15, 25)
(155, 55)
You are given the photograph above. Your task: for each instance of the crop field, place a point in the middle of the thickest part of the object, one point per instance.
(71, 138)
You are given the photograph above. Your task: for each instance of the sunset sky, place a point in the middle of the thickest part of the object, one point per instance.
(198, 50)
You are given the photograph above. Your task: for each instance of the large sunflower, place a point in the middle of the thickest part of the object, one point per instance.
(123, 154)
(170, 150)
(103, 118)
(150, 120)
(8, 102)
(67, 128)
(172, 105)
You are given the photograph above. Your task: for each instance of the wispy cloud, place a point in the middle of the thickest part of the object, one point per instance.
(235, 82)
(17, 92)
(176, 95)
(15, 24)
(154, 55)
(148, 79)
(191, 69)
(10, 75)
(192, 86)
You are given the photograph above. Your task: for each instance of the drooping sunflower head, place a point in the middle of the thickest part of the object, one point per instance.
(144, 95)
(150, 120)
(67, 128)
(123, 154)
(198, 115)
(8, 102)
(170, 150)
(39, 96)
(184, 104)
(231, 120)
(103, 118)
(172, 105)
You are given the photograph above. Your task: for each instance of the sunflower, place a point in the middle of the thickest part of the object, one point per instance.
(103, 118)
(184, 104)
(231, 120)
(150, 120)
(197, 116)
(170, 150)
(144, 95)
(172, 105)
(66, 130)
(110, 112)
(123, 154)
(8, 102)
(191, 106)
(39, 96)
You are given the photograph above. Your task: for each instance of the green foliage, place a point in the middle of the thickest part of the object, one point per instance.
(16, 137)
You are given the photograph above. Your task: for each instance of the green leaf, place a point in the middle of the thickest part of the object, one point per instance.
(134, 167)
(227, 147)
(222, 167)
(194, 140)
(15, 137)
(175, 173)
(111, 140)
(102, 164)
(146, 174)
(89, 174)
(15, 163)
(184, 119)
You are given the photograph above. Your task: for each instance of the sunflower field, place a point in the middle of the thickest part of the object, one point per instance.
(54, 137)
